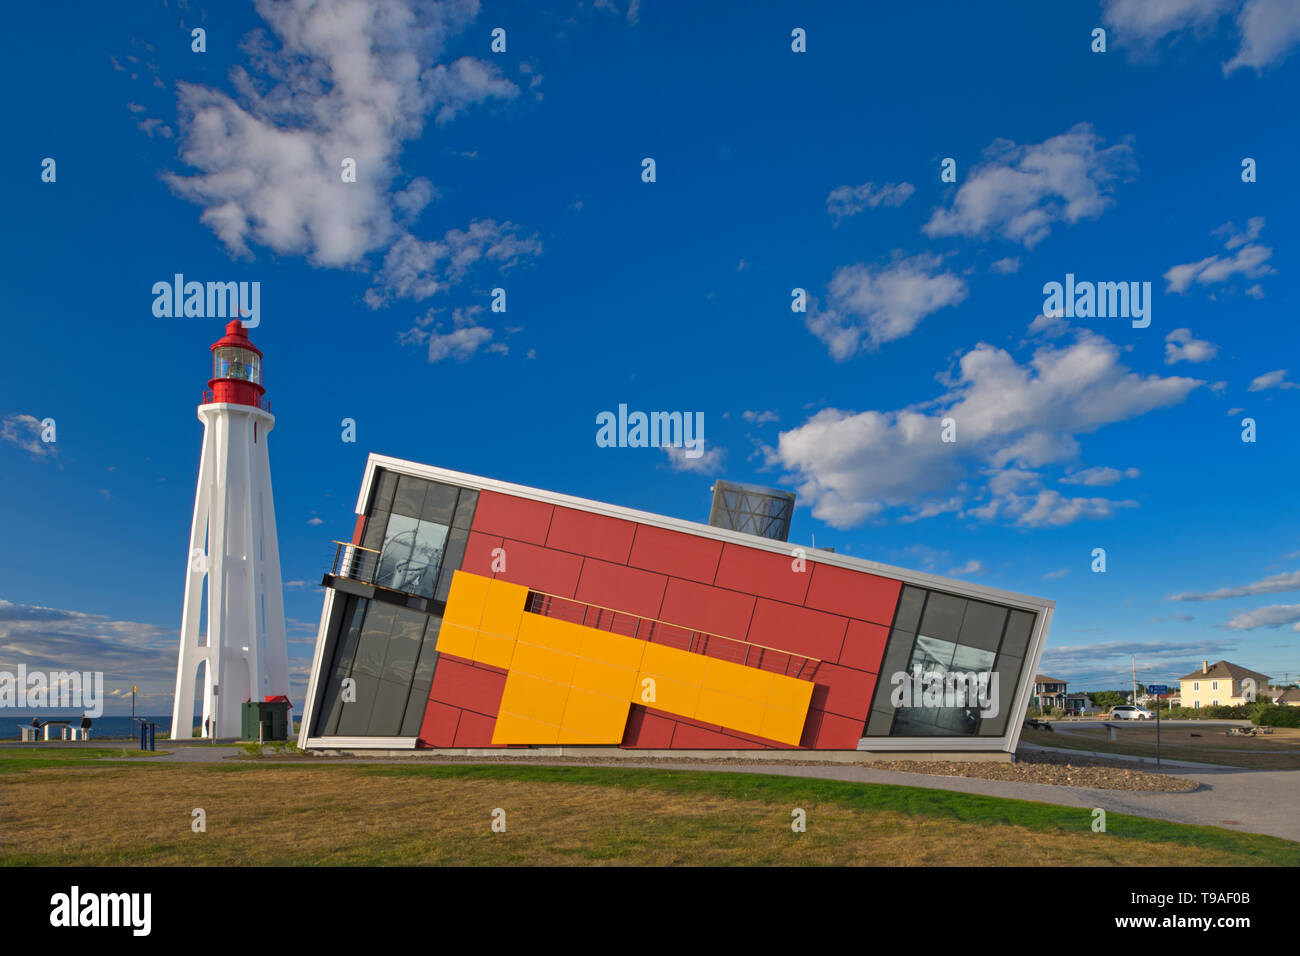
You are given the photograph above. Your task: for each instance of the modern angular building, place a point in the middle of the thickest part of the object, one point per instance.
(469, 613)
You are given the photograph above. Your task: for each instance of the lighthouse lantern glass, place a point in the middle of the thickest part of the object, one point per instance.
(235, 363)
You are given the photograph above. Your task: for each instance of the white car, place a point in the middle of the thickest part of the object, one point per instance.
(1129, 712)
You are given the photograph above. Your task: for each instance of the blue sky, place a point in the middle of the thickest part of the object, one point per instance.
(775, 170)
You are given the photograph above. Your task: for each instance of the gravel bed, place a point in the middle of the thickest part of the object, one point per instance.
(1049, 768)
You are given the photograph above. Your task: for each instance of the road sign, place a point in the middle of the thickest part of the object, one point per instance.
(1157, 689)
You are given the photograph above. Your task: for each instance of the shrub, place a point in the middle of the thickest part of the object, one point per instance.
(1234, 712)
(1271, 715)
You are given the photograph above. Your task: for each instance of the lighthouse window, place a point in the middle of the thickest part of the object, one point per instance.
(235, 363)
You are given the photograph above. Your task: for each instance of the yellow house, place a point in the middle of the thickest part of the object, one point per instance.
(1221, 684)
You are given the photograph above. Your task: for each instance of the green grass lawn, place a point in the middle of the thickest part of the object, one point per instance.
(103, 807)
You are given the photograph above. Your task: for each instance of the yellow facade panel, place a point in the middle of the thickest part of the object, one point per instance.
(600, 717)
(785, 726)
(573, 684)
(673, 663)
(789, 693)
(514, 728)
(534, 698)
(550, 632)
(612, 648)
(670, 695)
(494, 650)
(604, 678)
(567, 736)
(456, 639)
(738, 680)
(729, 711)
(503, 608)
(543, 662)
(465, 599)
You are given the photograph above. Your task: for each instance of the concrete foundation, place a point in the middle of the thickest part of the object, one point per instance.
(681, 756)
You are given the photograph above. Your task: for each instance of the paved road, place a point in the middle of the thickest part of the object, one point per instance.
(1252, 801)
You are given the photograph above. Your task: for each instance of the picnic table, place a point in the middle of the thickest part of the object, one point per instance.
(32, 732)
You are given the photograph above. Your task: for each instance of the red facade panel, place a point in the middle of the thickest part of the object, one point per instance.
(520, 518)
(474, 730)
(834, 732)
(864, 646)
(675, 554)
(867, 597)
(597, 536)
(798, 629)
(478, 553)
(621, 588)
(706, 608)
(690, 737)
(543, 569)
(843, 691)
(762, 572)
(457, 684)
(439, 726)
(646, 731)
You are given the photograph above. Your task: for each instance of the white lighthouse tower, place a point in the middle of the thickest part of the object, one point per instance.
(234, 558)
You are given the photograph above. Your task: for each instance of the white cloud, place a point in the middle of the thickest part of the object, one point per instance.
(417, 269)
(1180, 346)
(1273, 379)
(461, 341)
(852, 466)
(1005, 267)
(760, 418)
(333, 80)
(707, 463)
(1250, 261)
(1049, 326)
(1239, 237)
(1288, 581)
(1019, 192)
(1146, 21)
(1269, 30)
(970, 567)
(1050, 508)
(315, 522)
(1053, 575)
(882, 303)
(25, 432)
(846, 201)
(1099, 476)
(1275, 615)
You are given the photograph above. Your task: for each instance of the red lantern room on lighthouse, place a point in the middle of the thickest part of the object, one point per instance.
(236, 369)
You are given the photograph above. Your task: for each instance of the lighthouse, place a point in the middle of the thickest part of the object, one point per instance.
(232, 620)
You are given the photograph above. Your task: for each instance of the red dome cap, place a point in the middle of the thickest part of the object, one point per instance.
(236, 336)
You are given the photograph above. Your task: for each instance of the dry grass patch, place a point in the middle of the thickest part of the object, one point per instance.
(116, 815)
